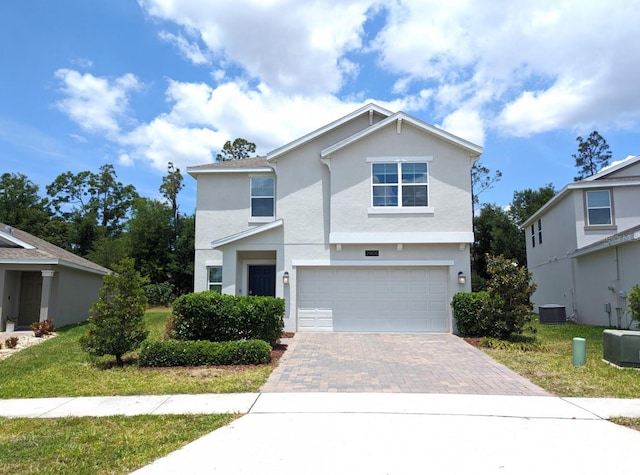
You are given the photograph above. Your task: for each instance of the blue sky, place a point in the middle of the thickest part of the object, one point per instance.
(138, 84)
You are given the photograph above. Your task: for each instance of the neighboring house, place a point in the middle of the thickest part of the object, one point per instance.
(39, 281)
(583, 245)
(362, 225)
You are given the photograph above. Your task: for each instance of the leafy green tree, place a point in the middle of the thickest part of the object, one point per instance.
(526, 202)
(482, 180)
(21, 205)
(171, 186)
(593, 154)
(92, 204)
(496, 234)
(508, 307)
(110, 199)
(116, 324)
(181, 268)
(150, 234)
(236, 150)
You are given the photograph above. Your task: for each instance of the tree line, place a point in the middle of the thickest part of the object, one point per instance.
(94, 215)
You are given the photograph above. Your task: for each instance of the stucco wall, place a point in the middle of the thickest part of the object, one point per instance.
(77, 291)
(448, 189)
(600, 277)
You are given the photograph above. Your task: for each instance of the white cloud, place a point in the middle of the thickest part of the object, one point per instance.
(574, 54)
(95, 103)
(467, 124)
(287, 44)
(189, 50)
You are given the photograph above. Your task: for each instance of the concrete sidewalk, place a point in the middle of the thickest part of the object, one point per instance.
(380, 433)
(323, 403)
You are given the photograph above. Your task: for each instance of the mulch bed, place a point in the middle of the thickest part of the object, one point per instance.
(473, 341)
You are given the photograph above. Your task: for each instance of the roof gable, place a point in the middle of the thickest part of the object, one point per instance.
(614, 168)
(398, 118)
(24, 248)
(370, 109)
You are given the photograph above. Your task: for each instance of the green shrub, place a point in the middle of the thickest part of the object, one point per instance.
(43, 328)
(478, 283)
(508, 307)
(203, 353)
(521, 345)
(161, 294)
(116, 324)
(633, 299)
(216, 317)
(466, 309)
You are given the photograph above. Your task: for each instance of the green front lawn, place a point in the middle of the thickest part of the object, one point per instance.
(59, 367)
(552, 367)
(90, 445)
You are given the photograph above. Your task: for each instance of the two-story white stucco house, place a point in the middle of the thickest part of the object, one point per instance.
(362, 225)
(583, 245)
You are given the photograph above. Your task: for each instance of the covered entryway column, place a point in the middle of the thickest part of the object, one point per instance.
(45, 297)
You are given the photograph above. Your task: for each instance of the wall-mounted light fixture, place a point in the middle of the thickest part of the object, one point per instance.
(462, 279)
(285, 278)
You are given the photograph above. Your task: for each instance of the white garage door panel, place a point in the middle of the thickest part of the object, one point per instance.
(373, 299)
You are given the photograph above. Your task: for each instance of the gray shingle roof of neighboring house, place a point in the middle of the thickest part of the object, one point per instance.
(254, 162)
(17, 246)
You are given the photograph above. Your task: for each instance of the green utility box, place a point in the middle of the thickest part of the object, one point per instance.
(622, 347)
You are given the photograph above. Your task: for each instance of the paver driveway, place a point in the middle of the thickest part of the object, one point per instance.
(392, 363)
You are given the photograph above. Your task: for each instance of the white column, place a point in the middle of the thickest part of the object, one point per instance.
(45, 297)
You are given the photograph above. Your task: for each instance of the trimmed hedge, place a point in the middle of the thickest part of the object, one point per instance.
(213, 316)
(203, 353)
(467, 309)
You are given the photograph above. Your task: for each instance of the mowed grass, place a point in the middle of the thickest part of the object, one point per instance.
(552, 367)
(59, 367)
(90, 445)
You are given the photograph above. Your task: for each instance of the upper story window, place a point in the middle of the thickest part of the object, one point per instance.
(262, 196)
(400, 184)
(599, 208)
(533, 236)
(540, 231)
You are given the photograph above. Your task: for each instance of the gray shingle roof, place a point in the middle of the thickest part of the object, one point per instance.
(254, 162)
(42, 251)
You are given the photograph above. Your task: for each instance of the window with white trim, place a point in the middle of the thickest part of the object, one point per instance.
(262, 196)
(599, 208)
(214, 276)
(399, 184)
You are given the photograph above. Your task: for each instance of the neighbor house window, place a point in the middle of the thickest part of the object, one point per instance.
(400, 184)
(262, 196)
(533, 236)
(598, 208)
(539, 232)
(215, 278)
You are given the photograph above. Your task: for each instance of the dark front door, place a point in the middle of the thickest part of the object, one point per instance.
(30, 293)
(262, 280)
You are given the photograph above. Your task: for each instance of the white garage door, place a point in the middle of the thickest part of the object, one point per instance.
(373, 299)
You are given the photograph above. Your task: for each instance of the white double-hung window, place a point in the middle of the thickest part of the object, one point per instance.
(599, 208)
(262, 196)
(400, 184)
